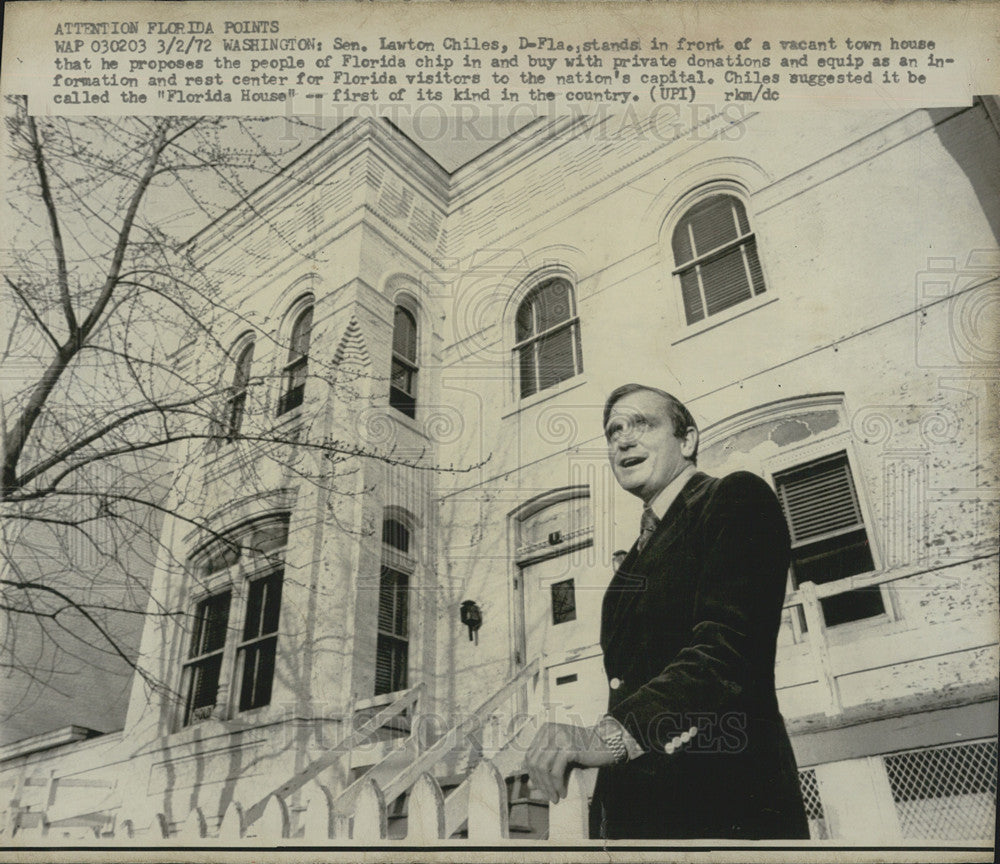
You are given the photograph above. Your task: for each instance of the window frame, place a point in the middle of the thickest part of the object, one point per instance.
(407, 401)
(239, 387)
(193, 663)
(536, 338)
(262, 643)
(399, 561)
(823, 447)
(236, 578)
(297, 362)
(680, 210)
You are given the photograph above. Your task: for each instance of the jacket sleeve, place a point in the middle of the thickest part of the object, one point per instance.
(737, 610)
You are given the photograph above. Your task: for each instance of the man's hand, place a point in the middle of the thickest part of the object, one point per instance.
(556, 748)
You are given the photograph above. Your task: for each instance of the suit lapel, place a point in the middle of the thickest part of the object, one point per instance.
(629, 583)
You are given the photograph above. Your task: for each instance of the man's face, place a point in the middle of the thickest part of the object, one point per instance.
(644, 452)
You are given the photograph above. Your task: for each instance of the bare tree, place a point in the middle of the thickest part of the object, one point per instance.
(103, 300)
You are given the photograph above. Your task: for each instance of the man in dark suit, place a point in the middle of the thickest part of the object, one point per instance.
(692, 745)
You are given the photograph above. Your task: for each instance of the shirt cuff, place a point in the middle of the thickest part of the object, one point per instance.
(632, 747)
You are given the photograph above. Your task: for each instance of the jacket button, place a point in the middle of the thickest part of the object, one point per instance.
(615, 683)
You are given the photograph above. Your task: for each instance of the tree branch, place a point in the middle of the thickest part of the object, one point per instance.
(57, 241)
(31, 309)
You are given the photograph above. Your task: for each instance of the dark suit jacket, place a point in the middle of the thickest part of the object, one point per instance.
(688, 628)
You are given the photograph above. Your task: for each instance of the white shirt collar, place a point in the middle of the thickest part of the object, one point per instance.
(665, 497)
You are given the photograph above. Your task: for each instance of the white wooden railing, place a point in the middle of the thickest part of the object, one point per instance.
(478, 807)
(481, 806)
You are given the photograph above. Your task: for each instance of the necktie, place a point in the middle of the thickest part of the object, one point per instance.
(646, 526)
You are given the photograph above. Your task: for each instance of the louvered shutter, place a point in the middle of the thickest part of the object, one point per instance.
(819, 500)
(552, 304)
(210, 625)
(392, 649)
(205, 686)
(383, 666)
(556, 360)
(526, 362)
(725, 281)
(386, 600)
(713, 223)
(301, 331)
(694, 309)
(550, 354)
(241, 374)
(716, 257)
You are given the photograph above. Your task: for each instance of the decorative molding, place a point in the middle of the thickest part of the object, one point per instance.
(565, 543)
(780, 409)
(352, 350)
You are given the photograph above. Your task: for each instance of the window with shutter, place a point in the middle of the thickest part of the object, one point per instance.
(297, 366)
(715, 257)
(236, 402)
(258, 649)
(204, 664)
(403, 374)
(392, 650)
(829, 540)
(547, 337)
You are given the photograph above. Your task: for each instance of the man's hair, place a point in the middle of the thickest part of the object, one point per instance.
(679, 414)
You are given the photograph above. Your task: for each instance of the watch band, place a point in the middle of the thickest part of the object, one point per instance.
(610, 734)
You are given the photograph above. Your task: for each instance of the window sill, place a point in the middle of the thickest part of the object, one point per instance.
(406, 421)
(214, 727)
(726, 316)
(544, 395)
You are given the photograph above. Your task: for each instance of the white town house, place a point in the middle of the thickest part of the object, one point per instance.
(361, 648)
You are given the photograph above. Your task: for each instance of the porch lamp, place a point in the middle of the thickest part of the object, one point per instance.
(472, 617)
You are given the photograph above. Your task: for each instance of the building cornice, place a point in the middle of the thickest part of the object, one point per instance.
(531, 143)
(337, 148)
(47, 741)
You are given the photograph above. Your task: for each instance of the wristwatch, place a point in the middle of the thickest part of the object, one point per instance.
(609, 731)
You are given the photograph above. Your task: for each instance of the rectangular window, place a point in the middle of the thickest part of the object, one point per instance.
(294, 387)
(258, 648)
(402, 387)
(563, 601)
(204, 664)
(829, 540)
(230, 669)
(392, 650)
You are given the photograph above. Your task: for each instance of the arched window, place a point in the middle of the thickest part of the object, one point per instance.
(392, 653)
(403, 377)
(715, 257)
(231, 668)
(297, 365)
(237, 399)
(396, 534)
(547, 336)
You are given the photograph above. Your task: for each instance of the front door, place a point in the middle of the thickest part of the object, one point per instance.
(562, 580)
